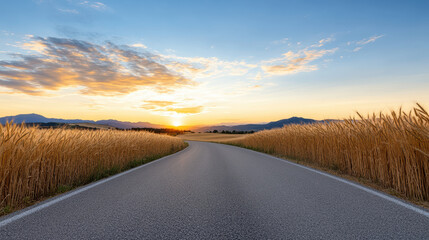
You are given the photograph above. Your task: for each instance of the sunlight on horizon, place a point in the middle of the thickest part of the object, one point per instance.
(177, 122)
(95, 63)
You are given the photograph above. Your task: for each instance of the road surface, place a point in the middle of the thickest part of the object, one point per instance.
(213, 191)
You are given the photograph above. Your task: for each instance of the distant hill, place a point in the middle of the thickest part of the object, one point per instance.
(128, 125)
(258, 127)
(84, 125)
(36, 118)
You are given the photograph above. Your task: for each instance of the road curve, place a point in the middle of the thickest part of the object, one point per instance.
(214, 191)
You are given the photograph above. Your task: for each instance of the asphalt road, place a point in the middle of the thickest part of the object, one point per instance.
(213, 191)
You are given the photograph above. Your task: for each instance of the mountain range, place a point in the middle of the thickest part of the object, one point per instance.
(36, 118)
(258, 127)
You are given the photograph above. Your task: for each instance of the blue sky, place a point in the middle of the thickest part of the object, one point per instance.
(244, 61)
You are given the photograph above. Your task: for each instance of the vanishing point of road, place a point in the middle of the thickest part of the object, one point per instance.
(214, 191)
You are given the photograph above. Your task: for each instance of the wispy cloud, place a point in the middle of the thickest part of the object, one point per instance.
(186, 110)
(280, 41)
(255, 87)
(7, 33)
(172, 107)
(94, 5)
(73, 33)
(201, 67)
(322, 42)
(299, 61)
(156, 105)
(74, 6)
(57, 63)
(70, 11)
(95, 69)
(139, 45)
(156, 82)
(368, 40)
(359, 44)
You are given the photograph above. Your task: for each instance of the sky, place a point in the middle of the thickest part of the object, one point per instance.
(212, 62)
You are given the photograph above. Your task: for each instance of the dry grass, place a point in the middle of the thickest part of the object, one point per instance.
(41, 162)
(212, 137)
(391, 150)
(92, 125)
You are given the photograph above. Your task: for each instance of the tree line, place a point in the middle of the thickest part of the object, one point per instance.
(231, 132)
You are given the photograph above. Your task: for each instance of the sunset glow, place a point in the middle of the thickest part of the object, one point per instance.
(233, 62)
(176, 122)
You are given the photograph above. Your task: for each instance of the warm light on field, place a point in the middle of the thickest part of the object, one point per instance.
(35, 162)
(389, 149)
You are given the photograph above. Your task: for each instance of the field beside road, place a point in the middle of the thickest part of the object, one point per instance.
(217, 191)
(390, 150)
(212, 137)
(92, 125)
(36, 163)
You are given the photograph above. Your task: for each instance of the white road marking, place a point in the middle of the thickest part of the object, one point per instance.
(32, 210)
(368, 190)
(37, 208)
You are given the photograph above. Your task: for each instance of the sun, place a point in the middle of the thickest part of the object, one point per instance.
(177, 123)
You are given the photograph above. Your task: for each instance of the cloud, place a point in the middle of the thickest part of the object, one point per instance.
(71, 32)
(324, 41)
(94, 5)
(153, 104)
(281, 41)
(295, 62)
(53, 64)
(358, 45)
(7, 33)
(368, 40)
(171, 107)
(290, 63)
(140, 45)
(201, 67)
(186, 110)
(258, 76)
(71, 11)
(95, 69)
(255, 87)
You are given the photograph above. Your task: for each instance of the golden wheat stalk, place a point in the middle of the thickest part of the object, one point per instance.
(392, 149)
(37, 162)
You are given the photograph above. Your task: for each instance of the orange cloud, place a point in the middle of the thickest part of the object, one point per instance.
(170, 106)
(140, 45)
(97, 69)
(37, 46)
(152, 105)
(186, 110)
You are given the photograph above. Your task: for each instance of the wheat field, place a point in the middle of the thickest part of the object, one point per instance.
(211, 137)
(391, 150)
(40, 162)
